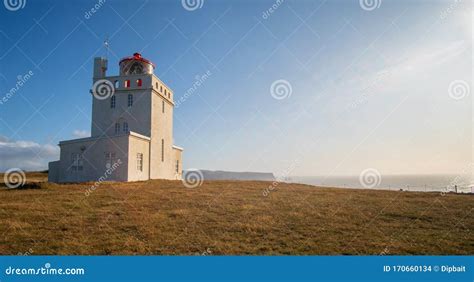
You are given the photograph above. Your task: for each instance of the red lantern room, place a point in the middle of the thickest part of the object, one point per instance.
(136, 64)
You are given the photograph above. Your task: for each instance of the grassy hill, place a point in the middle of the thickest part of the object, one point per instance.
(230, 217)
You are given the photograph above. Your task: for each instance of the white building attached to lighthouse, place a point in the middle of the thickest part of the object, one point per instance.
(131, 132)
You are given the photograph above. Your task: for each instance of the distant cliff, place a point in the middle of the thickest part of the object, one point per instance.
(232, 175)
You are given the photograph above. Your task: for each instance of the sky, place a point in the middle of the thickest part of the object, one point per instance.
(292, 87)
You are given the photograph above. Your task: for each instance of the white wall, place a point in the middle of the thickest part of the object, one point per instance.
(138, 145)
(94, 161)
(138, 116)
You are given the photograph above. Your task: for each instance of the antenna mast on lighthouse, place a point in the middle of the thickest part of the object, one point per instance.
(106, 47)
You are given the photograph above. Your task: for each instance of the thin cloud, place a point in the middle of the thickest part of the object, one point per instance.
(26, 155)
(80, 133)
(427, 58)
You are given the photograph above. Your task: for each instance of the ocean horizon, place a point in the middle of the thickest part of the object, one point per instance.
(428, 183)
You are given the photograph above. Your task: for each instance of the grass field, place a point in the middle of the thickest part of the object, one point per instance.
(230, 217)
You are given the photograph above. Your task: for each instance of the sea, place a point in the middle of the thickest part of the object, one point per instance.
(420, 183)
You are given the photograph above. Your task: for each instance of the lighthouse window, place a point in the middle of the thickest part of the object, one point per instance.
(177, 166)
(161, 88)
(77, 162)
(162, 150)
(140, 162)
(112, 102)
(139, 82)
(163, 106)
(130, 100)
(117, 128)
(109, 159)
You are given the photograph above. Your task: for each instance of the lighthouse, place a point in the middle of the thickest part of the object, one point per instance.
(131, 129)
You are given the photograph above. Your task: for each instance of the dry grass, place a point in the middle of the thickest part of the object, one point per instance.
(231, 217)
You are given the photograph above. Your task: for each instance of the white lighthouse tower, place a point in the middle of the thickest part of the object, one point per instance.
(131, 129)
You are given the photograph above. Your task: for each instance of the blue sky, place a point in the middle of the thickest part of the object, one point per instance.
(385, 87)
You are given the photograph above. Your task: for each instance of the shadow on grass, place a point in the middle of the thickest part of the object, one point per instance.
(26, 186)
